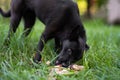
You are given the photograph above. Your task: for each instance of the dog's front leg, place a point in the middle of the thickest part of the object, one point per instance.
(44, 38)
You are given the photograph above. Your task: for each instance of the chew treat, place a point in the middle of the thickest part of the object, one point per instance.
(60, 70)
(76, 67)
(58, 66)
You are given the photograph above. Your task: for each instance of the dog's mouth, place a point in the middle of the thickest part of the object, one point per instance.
(63, 63)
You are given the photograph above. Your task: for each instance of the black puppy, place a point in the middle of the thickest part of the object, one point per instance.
(62, 21)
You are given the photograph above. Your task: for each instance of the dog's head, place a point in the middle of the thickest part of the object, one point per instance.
(71, 52)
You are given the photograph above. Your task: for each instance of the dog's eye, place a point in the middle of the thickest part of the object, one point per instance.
(69, 51)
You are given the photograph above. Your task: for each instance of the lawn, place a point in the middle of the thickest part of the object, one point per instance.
(101, 61)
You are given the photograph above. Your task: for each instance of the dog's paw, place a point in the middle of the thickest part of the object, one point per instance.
(37, 58)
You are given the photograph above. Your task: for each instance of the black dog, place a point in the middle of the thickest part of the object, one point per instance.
(62, 21)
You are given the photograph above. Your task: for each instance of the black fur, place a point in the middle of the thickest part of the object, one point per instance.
(62, 21)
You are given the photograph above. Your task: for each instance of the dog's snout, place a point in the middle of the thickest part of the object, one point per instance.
(62, 61)
(57, 62)
(60, 58)
(65, 64)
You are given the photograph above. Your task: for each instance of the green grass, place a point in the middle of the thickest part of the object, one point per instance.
(102, 61)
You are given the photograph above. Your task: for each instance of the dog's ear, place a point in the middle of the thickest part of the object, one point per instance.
(83, 44)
